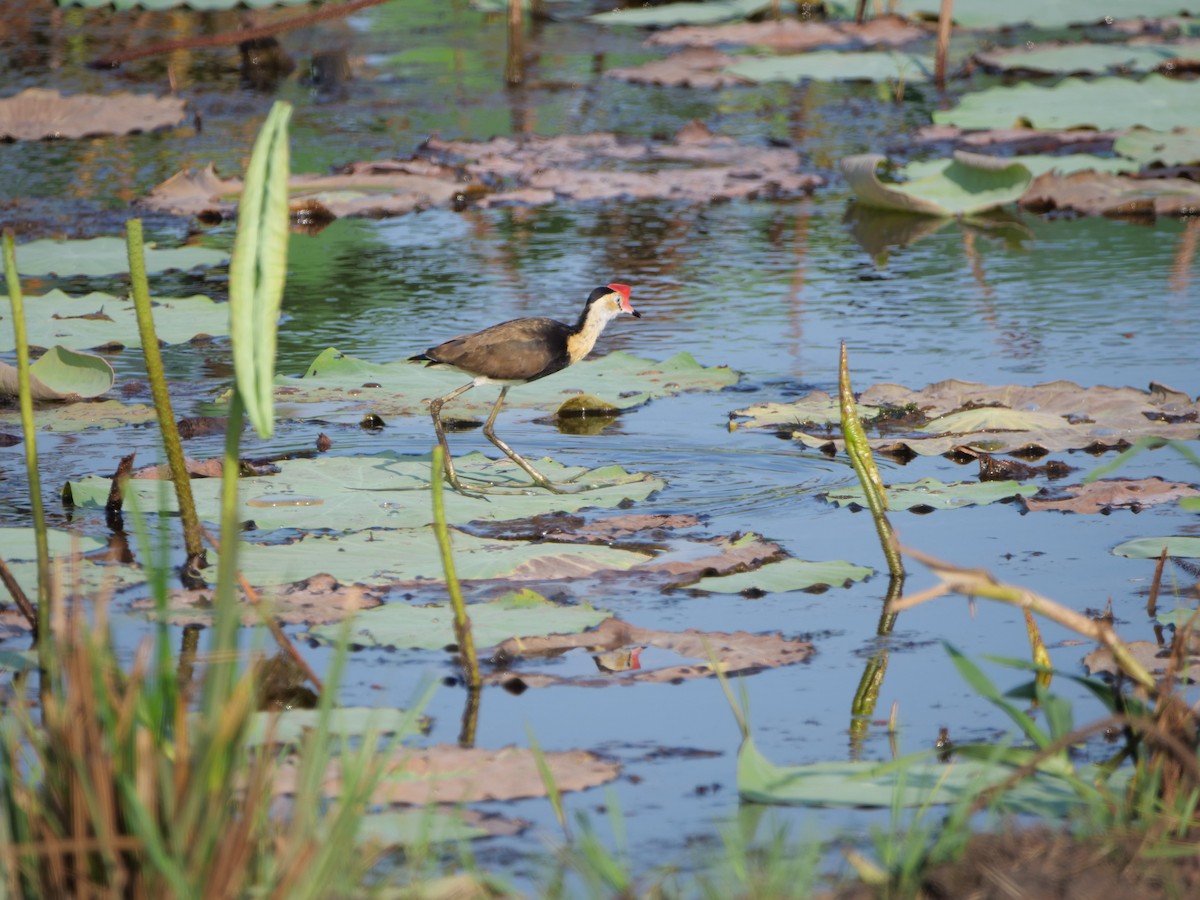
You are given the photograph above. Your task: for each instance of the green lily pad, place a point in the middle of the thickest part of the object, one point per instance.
(1179, 147)
(81, 416)
(102, 320)
(1154, 102)
(18, 661)
(291, 725)
(432, 825)
(345, 385)
(785, 575)
(1058, 415)
(1183, 546)
(516, 614)
(60, 374)
(1054, 14)
(106, 256)
(349, 493)
(683, 13)
(834, 65)
(1179, 617)
(411, 554)
(937, 494)
(17, 544)
(1088, 58)
(912, 781)
(1036, 163)
(968, 183)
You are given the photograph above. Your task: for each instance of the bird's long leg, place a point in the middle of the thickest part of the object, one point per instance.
(489, 431)
(435, 410)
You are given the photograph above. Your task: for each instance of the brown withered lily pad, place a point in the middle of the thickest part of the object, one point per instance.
(320, 599)
(35, 114)
(450, 774)
(1016, 141)
(696, 167)
(363, 189)
(1059, 415)
(700, 67)
(790, 35)
(1105, 194)
(1103, 496)
(626, 654)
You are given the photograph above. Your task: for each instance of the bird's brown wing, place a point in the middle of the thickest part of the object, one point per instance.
(517, 350)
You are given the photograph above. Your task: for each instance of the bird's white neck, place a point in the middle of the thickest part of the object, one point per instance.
(588, 329)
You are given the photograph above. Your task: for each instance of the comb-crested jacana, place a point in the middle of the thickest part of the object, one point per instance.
(517, 352)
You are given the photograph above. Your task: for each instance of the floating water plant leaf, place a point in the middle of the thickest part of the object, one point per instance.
(383, 557)
(36, 113)
(1058, 415)
(786, 575)
(17, 544)
(290, 726)
(1178, 147)
(1178, 617)
(696, 166)
(792, 35)
(695, 67)
(968, 183)
(364, 189)
(437, 825)
(81, 416)
(1103, 496)
(1015, 141)
(104, 320)
(319, 599)
(1088, 58)
(343, 385)
(1154, 102)
(96, 257)
(1037, 164)
(1057, 14)
(1154, 658)
(18, 661)
(1182, 546)
(934, 494)
(349, 493)
(61, 374)
(651, 656)
(430, 627)
(450, 774)
(911, 781)
(833, 65)
(1102, 194)
(686, 13)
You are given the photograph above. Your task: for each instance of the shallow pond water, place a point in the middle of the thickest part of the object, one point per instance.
(766, 288)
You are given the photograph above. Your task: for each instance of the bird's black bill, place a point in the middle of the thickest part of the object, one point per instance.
(635, 314)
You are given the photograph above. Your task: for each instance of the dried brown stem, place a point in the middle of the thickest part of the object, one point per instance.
(981, 583)
(18, 594)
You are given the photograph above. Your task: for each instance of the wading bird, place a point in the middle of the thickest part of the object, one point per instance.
(517, 352)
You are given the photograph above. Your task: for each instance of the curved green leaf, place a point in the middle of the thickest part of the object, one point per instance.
(67, 373)
(968, 183)
(1180, 147)
(937, 494)
(259, 268)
